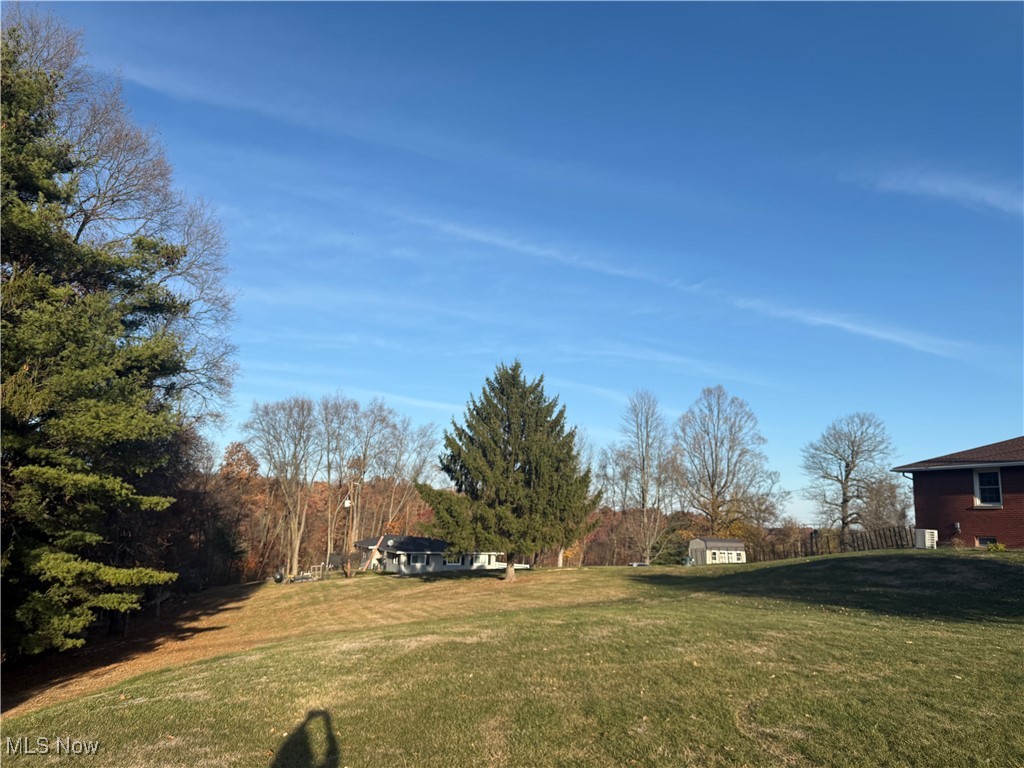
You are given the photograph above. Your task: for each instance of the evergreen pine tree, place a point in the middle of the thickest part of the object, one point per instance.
(86, 406)
(518, 477)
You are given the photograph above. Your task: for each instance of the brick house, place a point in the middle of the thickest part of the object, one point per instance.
(976, 496)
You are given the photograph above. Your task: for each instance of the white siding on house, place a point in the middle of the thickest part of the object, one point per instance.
(411, 555)
(409, 564)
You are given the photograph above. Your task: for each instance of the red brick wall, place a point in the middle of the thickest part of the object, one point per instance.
(943, 498)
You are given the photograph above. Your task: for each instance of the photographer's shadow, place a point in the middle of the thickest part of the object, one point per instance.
(312, 744)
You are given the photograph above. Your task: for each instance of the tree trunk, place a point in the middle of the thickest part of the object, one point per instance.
(510, 568)
(293, 546)
(561, 556)
(332, 521)
(300, 529)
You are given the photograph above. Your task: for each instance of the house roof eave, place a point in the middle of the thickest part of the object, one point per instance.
(964, 465)
(1005, 453)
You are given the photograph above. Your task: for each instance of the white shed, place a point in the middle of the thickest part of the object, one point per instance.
(708, 551)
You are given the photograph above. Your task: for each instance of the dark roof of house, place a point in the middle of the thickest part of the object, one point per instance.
(721, 543)
(1005, 452)
(407, 544)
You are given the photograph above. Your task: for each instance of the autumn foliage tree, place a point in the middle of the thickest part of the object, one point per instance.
(259, 518)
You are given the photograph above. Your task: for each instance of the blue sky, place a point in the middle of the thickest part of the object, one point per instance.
(818, 206)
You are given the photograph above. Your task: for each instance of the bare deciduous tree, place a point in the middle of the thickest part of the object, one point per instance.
(123, 181)
(123, 189)
(640, 467)
(288, 437)
(611, 478)
(51, 46)
(842, 465)
(370, 426)
(887, 502)
(408, 455)
(337, 414)
(724, 474)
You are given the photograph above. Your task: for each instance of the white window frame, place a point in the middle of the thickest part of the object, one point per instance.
(977, 488)
(414, 559)
(453, 560)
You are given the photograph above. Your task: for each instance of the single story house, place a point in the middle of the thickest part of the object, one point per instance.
(410, 555)
(974, 496)
(710, 551)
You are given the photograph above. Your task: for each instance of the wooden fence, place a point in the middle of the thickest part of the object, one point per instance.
(829, 542)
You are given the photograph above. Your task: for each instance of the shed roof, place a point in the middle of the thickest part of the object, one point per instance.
(713, 543)
(1005, 452)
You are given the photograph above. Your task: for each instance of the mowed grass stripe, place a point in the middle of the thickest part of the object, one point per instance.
(602, 667)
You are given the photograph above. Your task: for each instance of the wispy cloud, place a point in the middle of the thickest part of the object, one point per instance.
(522, 246)
(647, 355)
(434, 142)
(339, 301)
(262, 365)
(921, 342)
(416, 402)
(972, 191)
(305, 378)
(333, 341)
(378, 130)
(226, 96)
(643, 354)
(910, 339)
(201, 90)
(603, 392)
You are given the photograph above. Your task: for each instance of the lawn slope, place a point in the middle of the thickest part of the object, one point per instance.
(881, 659)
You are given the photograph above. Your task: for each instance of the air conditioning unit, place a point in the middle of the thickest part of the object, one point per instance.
(925, 538)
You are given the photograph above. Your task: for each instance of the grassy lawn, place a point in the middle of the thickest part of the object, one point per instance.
(878, 659)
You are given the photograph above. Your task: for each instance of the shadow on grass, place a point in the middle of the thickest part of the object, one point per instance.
(932, 586)
(27, 677)
(495, 574)
(312, 744)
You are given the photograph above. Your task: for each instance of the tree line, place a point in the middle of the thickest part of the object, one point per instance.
(522, 483)
(520, 480)
(338, 468)
(708, 475)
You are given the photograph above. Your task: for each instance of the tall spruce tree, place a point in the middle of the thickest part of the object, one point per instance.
(516, 470)
(89, 361)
